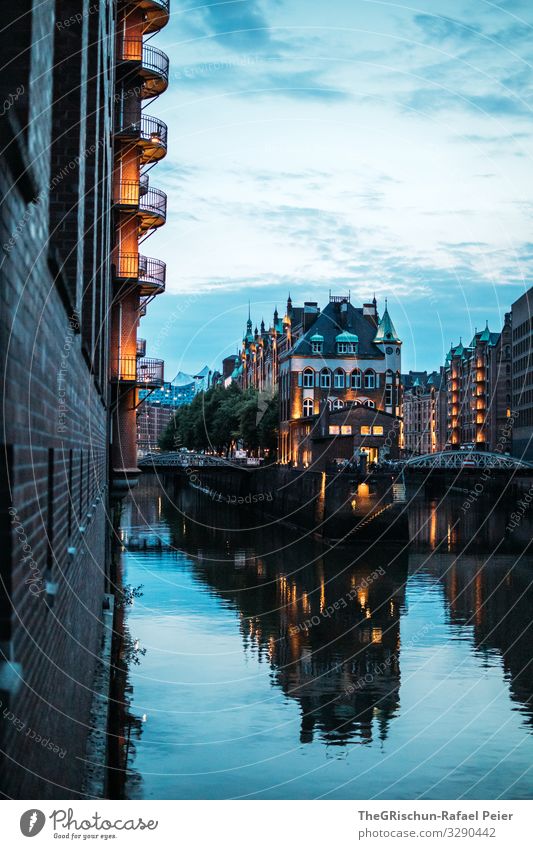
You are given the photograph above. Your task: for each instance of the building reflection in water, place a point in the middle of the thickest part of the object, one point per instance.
(326, 621)
(494, 597)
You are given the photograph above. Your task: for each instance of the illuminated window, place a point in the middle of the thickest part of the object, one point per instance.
(377, 430)
(308, 407)
(346, 430)
(334, 430)
(366, 430)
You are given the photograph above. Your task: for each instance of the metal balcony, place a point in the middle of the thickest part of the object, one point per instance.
(150, 64)
(152, 208)
(148, 272)
(142, 372)
(150, 373)
(156, 14)
(150, 134)
(126, 194)
(124, 370)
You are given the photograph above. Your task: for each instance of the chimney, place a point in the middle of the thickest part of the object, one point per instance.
(311, 313)
(344, 314)
(370, 312)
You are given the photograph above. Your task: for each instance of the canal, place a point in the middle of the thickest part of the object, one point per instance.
(266, 665)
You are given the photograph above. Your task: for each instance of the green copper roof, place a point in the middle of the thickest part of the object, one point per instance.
(485, 336)
(345, 336)
(386, 331)
(317, 338)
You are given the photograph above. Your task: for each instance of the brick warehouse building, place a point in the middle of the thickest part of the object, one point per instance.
(522, 375)
(60, 353)
(478, 386)
(346, 359)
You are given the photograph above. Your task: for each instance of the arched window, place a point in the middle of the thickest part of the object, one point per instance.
(309, 378)
(356, 379)
(389, 376)
(325, 378)
(330, 403)
(338, 379)
(370, 379)
(308, 407)
(369, 403)
(338, 404)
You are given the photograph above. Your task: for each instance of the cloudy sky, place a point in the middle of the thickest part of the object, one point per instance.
(357, 145)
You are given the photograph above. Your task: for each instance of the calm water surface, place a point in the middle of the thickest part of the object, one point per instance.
(418, 684)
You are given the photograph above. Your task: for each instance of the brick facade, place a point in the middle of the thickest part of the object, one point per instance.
(55, 404)
(59, 344)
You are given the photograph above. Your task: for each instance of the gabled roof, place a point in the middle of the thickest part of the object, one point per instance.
(330, 323)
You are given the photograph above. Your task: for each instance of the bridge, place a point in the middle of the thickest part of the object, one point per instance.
(456, 460)
(192, 460)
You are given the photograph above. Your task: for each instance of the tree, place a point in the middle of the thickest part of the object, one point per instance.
(219, 418)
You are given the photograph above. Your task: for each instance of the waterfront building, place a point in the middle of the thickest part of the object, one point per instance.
(73, 197)
(140, 208)
(424, 412)
(478, 384)
(522, 375)
(262, 349)
(343, 359)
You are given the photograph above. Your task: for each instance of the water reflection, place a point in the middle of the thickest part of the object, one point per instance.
(368, 645)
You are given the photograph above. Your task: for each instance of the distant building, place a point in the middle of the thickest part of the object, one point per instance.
(478, 383)
(424, 412)
(159, 406)
(522, 375)
(340, 359)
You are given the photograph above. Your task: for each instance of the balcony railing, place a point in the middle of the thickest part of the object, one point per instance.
(151, 134)
(124, 369)
(150, 372)
(153, 64)
(141, 347)
(143, 372)
(126, 193)
(152, 273)
(149, 272)
(153, 208)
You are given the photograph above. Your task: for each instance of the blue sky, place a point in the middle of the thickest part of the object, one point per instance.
(357, 145)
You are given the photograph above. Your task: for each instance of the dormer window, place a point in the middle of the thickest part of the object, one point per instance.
(317, 343)
(346, 343)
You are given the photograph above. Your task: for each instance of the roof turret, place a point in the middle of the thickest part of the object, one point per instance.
(386, 331)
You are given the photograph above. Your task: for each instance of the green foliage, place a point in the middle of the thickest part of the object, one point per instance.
(220, 419)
